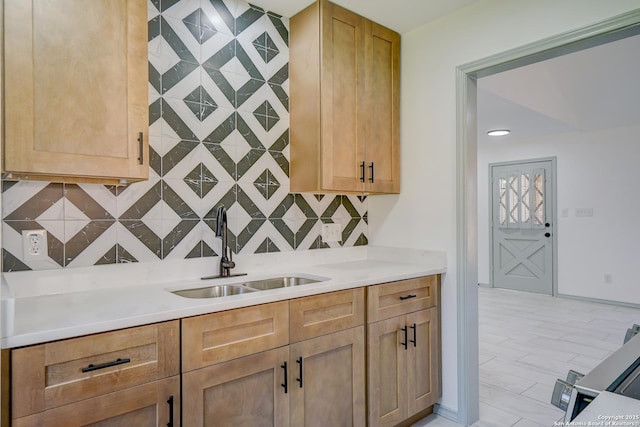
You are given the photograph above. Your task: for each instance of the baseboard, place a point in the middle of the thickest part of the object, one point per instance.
(445, 412)
(598, 300)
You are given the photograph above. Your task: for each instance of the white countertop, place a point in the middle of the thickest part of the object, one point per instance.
(51, 305)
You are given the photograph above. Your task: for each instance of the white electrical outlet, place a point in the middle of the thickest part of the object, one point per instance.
(34, 244)
(331, 233)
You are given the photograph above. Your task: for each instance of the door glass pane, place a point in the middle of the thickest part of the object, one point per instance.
(513, 200)
(538, 198)
(525, 204)
(502, 193)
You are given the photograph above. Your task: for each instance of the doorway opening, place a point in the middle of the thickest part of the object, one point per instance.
(467, 189)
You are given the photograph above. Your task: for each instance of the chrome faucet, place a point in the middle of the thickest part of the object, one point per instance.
(226, 262)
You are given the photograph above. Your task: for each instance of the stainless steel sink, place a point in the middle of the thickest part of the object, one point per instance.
(279, 282)
(213, 291)
(217, 291)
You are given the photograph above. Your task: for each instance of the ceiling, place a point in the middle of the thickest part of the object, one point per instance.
(400, 15)
(588, 90)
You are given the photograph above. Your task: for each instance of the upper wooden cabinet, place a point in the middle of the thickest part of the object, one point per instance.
(76, 89)
(345, 102)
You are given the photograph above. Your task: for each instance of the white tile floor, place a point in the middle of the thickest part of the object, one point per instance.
(529, 340)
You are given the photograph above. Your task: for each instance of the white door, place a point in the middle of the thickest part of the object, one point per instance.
(522, 228)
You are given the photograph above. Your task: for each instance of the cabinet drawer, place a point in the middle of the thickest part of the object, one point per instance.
(49, 375)
(218, 337)
(398, 298)
(323, 314)
(152, 404)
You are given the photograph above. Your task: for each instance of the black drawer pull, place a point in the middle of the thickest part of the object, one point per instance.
(116, 362)
(286, 382)
(170, 402)
(371, 177)
(407, 297)
(362, 172)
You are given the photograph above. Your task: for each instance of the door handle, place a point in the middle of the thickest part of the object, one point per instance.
(299, 362)
(286, 382)
(547, 234)
(170, 402)
(141, 147)
(415, 339)
(405, 343)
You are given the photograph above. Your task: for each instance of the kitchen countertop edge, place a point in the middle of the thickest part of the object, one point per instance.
(133, 306)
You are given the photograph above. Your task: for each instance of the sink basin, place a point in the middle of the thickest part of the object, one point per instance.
(213, 291)
(246, 287)
(279, 282)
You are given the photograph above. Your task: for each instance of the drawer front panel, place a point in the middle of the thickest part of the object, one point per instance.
(327, 313)
(218, 337)
(398, 298)
(49, 375)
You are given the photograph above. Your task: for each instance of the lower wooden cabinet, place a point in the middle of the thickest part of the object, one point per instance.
(327, 384)
(148, 405)
(247, 391)
(403, 359)
(317, 382)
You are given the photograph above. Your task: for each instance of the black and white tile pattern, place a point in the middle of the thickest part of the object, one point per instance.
(219, 134)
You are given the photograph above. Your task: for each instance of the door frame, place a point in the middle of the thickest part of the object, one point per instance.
(554, 217)
(614, 28)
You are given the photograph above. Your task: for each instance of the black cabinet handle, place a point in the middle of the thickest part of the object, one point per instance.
(140, 147)
(285, 385)
(362, 172)
(116, 362)
(546, 224)
(371, 177)
(414, 340)
(404, 344)
(299, 362)
(547, 234)
(408, 297)
(170, 402)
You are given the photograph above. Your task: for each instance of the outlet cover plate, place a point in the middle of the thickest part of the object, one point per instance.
(34, 244)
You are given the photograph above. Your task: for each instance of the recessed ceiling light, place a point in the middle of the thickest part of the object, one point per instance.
(499, 132)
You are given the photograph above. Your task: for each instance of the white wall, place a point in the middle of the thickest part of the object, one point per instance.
(424, 214)
(596, 170)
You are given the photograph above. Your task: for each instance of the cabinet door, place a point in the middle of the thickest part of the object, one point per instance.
(387, 372)
(342, 99)
(76, 80)
(327, 380)
(382, 121)
(423, 360)
(149, 405)
(243, 392)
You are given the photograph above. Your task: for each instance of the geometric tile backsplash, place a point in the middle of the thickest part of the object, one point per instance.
(219, 134)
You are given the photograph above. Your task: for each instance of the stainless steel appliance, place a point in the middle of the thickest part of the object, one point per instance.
(618, 374)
